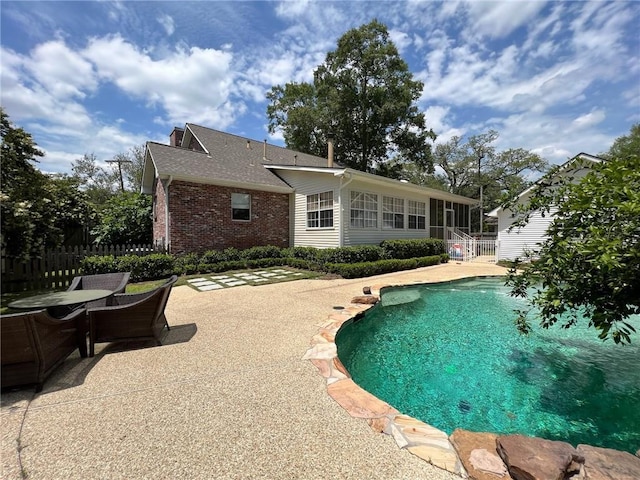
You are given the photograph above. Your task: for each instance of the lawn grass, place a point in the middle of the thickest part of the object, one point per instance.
(140, 287)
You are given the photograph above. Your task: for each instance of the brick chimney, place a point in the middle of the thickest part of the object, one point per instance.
(330, 138)
(175, 139)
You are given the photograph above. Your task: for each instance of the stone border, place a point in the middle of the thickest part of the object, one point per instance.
(417, 437)
(423, 440)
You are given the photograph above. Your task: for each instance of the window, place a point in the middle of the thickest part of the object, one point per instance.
(241, 206)
(364, 210)
(417, 215)
(320, 210)
(392, 212)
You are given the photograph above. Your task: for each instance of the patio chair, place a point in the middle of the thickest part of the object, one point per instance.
(137, 316)
(35, 343)
(116, 282)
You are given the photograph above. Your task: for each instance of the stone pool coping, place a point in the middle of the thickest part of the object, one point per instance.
(419, 438)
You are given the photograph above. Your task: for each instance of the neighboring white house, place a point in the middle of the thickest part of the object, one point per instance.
(512, 244)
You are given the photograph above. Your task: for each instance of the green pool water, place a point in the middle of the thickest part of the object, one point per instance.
(450, 355)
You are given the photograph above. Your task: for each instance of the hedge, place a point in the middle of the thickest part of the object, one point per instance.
(349, 262)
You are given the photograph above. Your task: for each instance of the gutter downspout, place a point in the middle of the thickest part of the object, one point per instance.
(166, 214)
(342, 209)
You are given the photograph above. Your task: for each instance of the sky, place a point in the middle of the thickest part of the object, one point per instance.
(556, 78)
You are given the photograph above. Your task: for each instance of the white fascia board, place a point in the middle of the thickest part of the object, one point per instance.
(147, 180)
(229, 183)
(431, 192)
(377, 179)
(333, 171)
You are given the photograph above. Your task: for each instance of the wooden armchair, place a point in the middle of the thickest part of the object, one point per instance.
(35, 343)
(131, 317)
(116, 282)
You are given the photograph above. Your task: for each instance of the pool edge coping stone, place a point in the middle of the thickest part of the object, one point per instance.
(420, 439)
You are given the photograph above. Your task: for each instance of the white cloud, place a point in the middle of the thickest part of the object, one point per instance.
(589, 119)
(499, 19)
(194, 85)
(167, 23)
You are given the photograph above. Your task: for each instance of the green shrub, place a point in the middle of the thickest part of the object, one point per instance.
(129, 263)
(156, 265)
(355, 254)
(97, 264)
(186, 264)
(304, 253)
(267, 251)
(412, 248)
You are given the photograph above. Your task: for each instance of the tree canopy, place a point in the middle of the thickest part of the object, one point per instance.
(465, 166)
(590, 262)
(365, 95)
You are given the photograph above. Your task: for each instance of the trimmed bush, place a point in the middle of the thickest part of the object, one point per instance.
(412, 248)
(156, 265)
(355, 254)
(97, 264)
(186, 264)
(262, 252)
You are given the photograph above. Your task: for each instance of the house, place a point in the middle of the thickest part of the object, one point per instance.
(213, 190)
(513, 243)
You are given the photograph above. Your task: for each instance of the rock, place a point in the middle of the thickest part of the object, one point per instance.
(477, 452)
(532, 458)
(607, 464)
(365, 299)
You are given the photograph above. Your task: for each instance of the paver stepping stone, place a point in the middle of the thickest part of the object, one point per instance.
(261, 280)
(269, 274)
(219, 277)
(280, 276)
(249, 277)
(261, 272)
(199, 279)
(236, 283)
(213, 286)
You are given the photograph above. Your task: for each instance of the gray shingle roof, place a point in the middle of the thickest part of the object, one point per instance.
(229, 159)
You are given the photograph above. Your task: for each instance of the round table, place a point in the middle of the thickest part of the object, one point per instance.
(59, 299)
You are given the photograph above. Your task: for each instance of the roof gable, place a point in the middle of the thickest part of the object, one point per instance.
(224, 159)
(563, 169)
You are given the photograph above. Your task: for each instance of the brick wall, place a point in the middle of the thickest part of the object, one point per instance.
(200, 218)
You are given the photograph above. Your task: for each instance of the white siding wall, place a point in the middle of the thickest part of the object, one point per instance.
(309, 183)
(514, 243)
(364, 236)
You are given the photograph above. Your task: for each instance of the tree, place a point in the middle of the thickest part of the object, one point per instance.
(38, 210)
(125, 219)
(134, 168)
(590, 262)
(98, 183)
(21, 183)
(476, 169)
(365, 95)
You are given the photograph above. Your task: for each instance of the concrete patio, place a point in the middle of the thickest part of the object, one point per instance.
(229, 396)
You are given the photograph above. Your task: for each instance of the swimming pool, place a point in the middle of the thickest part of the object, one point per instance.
(449, 354)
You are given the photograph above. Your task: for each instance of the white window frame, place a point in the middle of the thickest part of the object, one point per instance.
(417, 210)
(320, 210)
(392, 211)
(363, 210)
(236, 204)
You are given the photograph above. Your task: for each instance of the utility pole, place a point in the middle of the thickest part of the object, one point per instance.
(119, 160)
(480, 182)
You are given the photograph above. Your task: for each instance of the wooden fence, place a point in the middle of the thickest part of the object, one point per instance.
(55, 268)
